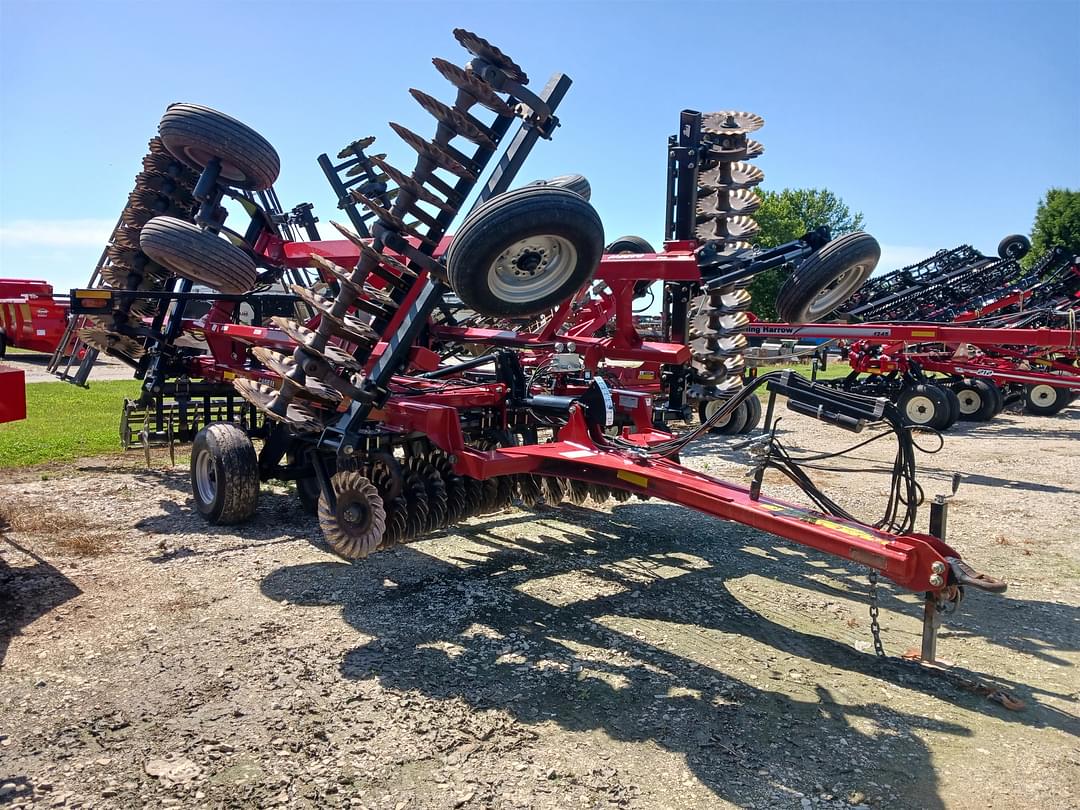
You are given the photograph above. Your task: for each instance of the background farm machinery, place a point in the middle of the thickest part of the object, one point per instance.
(406, 380)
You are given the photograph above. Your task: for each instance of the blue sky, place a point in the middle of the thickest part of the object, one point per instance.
(943, 122)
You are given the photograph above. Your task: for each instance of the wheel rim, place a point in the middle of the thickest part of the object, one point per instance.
(711, 407)
(970, 402)
(919, 409)
(206, 477)
(836, 292)
(1043, 395)
(201, 157)
(532, 268)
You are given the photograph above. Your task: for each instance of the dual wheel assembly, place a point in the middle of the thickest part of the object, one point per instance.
(206, 139)
(940, 406)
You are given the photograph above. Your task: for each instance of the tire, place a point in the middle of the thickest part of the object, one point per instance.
(1045, 400)
(198, 255)
(3, 345)
(224, 474)
(954, 406)
(828, 278)
(575, 182)
(753, 418)
(1015, 246)
(195, 134)
(735, 422)
(924, 405)
(977, 400)
(525, 251)
(636, 245)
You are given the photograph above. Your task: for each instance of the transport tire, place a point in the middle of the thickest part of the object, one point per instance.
(828, 278)
(224, 474)
(575, 182)
(924, 405)
(1015, 246)
(635, 245)
(198, 255)
(196, 134)
(1045, 400)
(954, 406)
(753, 418)
(3, 344)
(734, 423)
(525, 251)
(977, 398)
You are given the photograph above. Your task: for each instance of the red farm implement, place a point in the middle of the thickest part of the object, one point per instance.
(406, 379)
(30, 316)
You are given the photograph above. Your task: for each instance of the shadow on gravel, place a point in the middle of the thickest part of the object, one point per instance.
(28, 592)
(575, 631)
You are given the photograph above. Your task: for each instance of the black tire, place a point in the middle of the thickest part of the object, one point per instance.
(735, 422)
(630, 244)
(198, 255)
(224, 474)
(977, 398)
(828, 278)
(753, 417)
(3, 344)
(195, 134)
(636, 245)
(924, 405)
(494, 259)
(575, 182)
(1015, 246)
(1045, 400)
(999, 397)
(954, 406)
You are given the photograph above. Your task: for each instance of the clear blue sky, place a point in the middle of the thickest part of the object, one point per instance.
(943, 122)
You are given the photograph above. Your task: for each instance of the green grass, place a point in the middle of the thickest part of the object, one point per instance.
(65, 422)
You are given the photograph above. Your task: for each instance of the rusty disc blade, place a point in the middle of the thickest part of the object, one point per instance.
(433, 152)
(731, 122)
(478, 46)
(356, 148)
(458, 121)
(474, 86)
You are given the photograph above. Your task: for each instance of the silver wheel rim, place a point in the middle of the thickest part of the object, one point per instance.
(970, 402)
(1043, 395)
(837, 291)
(532, 268)
(711, 407)
(919, 409)
(205, 477)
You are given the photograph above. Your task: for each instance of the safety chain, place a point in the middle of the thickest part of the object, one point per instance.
(875, 628)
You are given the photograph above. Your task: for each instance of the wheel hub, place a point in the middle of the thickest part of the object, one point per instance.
(532, 268)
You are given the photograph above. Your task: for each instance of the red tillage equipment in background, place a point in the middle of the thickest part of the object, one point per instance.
(12, 394)
(31, 317)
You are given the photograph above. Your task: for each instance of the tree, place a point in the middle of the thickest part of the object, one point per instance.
(1057, 222)
(788, 214)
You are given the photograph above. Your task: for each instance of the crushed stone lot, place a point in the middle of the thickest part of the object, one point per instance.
(634, 655)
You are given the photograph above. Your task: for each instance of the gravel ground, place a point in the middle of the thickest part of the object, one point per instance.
(34, 364)
(638, 656)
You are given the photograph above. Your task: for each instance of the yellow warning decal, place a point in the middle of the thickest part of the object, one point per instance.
(633, 478)
(824, 522)
(229, 375)
(924, 333)
(93, 293)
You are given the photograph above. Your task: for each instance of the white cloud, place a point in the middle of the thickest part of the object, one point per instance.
(56, 232)
(893, 257)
